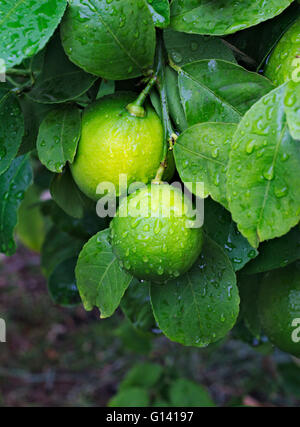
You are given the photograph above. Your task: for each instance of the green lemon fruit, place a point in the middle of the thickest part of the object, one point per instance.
(279, 308)
(284, 62)
(113, 142)
(151, 233)
(113, 39)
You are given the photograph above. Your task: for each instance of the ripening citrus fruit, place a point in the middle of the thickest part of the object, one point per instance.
(114, 142)
(284, 62)
(279, 308)
(151, 233)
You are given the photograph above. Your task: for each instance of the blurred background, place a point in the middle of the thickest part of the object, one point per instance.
(67, 357)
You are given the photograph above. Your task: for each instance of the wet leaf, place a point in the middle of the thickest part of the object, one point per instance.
(160, 11)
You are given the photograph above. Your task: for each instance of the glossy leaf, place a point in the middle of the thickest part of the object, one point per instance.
(186, 48)
(174, 100)
(13, 184)
(11, 128)
(201, 306)
(276, 253)
(100, 279)
(263, 172)
(26, 26)
(292, 108)
(202, 155)
(160, 11)
(115, 41)
(219, 91)
(60, 80)
(58, 137)
(219, 226)
(67, 195)
(62, 284)
(218, 18)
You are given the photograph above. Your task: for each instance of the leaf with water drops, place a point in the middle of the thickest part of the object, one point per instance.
(13, 184)
(202, 154)
(62, 284)
(276, 253)
(292, 108)
(201, 306)
(58, 137)
(11, 128)
(67, 194)
(26, 26)
(100, 279)
(263, 171)
(60, 80)
(160, 11)
(218, 18)
(219, 91)
(185, 48)
(113, 39)
(219, 226)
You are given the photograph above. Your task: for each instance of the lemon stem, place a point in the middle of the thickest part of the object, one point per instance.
(136, 108)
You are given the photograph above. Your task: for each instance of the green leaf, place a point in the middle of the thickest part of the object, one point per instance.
(67, 195)
(25, 27)
(219, 226)
(249, 288)
(107, 87)
(201, 306)
(60, 81)
(219, 91)
(202, 155)
(100, 279)
(58, 137)
(13, 184)
(115, 41)
(218, 18)
(185, 393)
(145, 375)
(292, 108)
(263, 172)
(160, 11)
(276, 253)
(290, 378)
(174, 100)
(186, 48)
(137, 307)
(62, 284)
(11, 128)
(131, 397)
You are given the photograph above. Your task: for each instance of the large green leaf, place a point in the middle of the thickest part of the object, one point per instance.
(13, 184)
(100, 279)
(217, 17)
(26, 26)
(263, 172)
(276, 253)
(11, 128)
(219, 226)
(60, 80)
(202, 155)
(58, 137)
(160, 11)
(201, 306)
(185, 48)
(114, 40)
(219, 91)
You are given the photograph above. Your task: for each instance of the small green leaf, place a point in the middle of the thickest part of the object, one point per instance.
(202, 155)
(219, 91)
(144, 375)
(263, 172)
(67, 195)
(201, 306)
(185, 393)
(292, 108)
(58, 137)
(174, 100)
(107, 87)
(25, 27)
(160, 11)
(131, 397)
(185, 48)
(100, 279)
(218, 18)
(62, 284)
(13, 184)
(11, 128)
